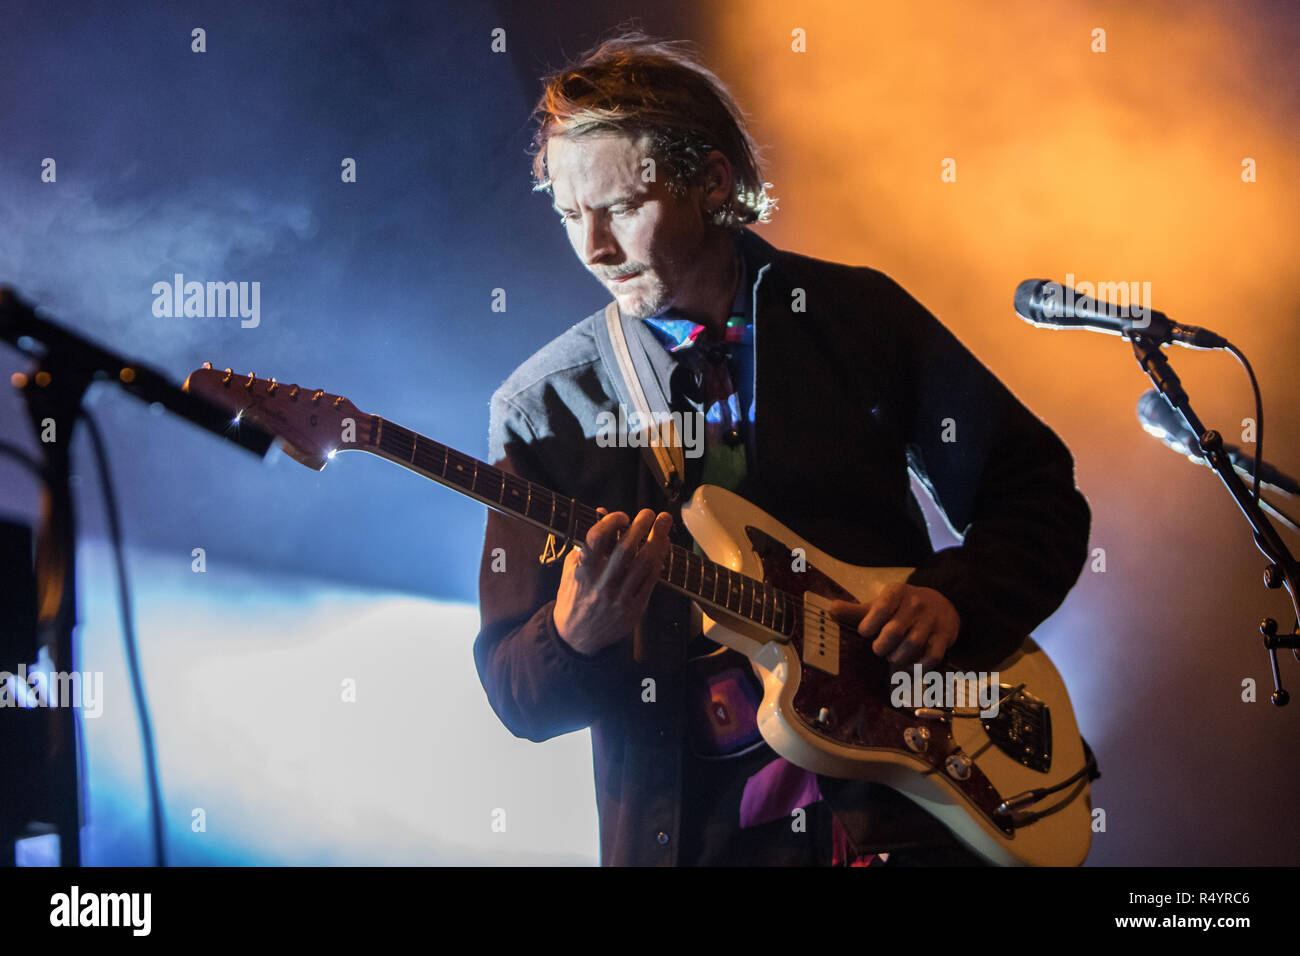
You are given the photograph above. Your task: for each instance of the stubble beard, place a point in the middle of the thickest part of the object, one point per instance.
(648, 301)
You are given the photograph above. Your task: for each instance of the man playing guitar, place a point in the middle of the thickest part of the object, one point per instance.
(820, 386)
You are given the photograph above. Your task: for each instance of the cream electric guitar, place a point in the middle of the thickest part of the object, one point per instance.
(1013, 784)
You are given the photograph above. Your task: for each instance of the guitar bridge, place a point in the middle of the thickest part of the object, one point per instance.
(1022, 729)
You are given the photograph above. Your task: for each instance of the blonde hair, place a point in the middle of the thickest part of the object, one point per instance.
(637, 85)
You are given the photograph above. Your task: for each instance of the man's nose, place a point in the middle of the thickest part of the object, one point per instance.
(597, 240)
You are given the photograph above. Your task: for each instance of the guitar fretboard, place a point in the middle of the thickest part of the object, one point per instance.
(570, 519)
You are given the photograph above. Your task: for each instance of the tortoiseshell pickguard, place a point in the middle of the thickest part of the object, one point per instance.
(858, 699)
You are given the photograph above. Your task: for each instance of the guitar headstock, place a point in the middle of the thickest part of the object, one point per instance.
(310, 425)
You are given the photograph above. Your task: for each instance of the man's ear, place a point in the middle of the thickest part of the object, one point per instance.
(717, 181)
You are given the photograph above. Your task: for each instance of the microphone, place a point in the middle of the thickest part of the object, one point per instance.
(1050, 305)
(1159, 419)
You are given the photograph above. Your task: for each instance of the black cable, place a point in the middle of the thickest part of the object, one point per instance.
(1259, 455)
(1259, 414)
(1030, 797)
(128, 639)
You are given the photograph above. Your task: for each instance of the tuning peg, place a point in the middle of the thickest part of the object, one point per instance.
(338, 400)
(320, 393)
(226, 380)
(293, 396)
(207, 365)
(270, 388)
(251, 378)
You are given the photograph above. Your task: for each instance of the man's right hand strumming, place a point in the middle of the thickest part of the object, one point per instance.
(606, 584)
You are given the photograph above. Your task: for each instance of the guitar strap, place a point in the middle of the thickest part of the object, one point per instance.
(643, 394)
(661, 445)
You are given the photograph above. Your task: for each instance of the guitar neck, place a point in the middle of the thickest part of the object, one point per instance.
(686, 572)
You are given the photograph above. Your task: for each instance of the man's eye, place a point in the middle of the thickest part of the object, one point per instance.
(622, 211)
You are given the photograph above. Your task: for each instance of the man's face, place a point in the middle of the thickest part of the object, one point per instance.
(623, 228)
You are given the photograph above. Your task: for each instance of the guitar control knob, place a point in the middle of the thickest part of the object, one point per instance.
(958, 765)
(917, 738)
(824, 717)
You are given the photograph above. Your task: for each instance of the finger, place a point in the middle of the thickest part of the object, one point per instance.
(648, 564)
(658, 543)
(603, 535)
(848, 612)
(914, 644)
(897, 628)
(620, 558)
(639, 598)
(881, 610)
(573, 561)
(639, 530)
(943, 637)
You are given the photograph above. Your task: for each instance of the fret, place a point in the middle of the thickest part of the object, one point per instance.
(565, 512)
(460, 472)
(509, 486)
(550, 522)
(670, 564)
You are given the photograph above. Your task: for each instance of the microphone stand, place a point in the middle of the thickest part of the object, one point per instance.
(1282, 570)
(66, 366)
